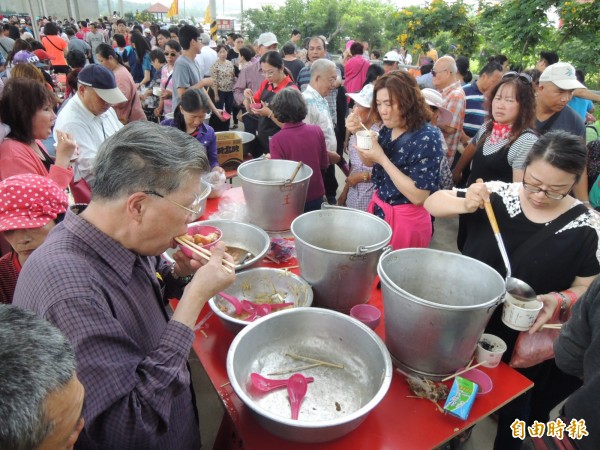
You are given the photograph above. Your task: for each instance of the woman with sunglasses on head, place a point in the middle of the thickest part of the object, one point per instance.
(559, 263)
(499, 149)
(405, 159)
(189, 117)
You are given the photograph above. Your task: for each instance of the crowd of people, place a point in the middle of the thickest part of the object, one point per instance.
(441, 141)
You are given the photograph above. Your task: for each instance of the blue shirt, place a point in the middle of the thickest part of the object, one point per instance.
(418, 154)
(581, 106)
(475, 111)
(206, 136)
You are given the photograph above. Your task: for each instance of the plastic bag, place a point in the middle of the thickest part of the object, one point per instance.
(230, 209)
(218, 183)
(282, 250)
(532, 349)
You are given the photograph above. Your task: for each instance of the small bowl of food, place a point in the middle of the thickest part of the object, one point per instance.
(205, 236)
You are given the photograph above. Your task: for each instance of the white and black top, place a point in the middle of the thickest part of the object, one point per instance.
(496, 162)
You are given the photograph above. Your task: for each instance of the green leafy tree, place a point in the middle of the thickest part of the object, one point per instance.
(415, 26)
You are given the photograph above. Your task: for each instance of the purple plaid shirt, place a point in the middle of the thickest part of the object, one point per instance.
(131, 359)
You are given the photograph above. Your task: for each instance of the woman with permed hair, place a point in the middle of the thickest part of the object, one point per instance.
(298, 141)
(406, 160)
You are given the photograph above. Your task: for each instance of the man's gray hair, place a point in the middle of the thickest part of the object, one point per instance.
(37, 360)
(145, 156)
(320, 66)
(205, 39)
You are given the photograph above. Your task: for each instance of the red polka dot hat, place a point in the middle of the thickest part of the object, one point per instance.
(30, 201)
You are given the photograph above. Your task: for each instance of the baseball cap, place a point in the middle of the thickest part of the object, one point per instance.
(364, 97)
(103, 82)
(147, 30)
(561, 74)
(30, 201)
(267, 39)
(392, 56)
(43, 54)
(434, 98)
(23, 56)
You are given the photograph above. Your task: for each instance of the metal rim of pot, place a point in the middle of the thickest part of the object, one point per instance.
(361, 249)
(398, 290)
(283, 182)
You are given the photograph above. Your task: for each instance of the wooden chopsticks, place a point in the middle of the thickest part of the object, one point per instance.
(206, 254)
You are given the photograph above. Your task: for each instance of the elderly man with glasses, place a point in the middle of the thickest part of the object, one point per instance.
(445, 81)
(100, 279)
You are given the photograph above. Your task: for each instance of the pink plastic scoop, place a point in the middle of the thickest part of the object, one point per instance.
(296, 387)
(234, 301)
(268, 384)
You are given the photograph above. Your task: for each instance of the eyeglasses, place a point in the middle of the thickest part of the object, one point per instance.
(270, 73)
(435, 73)
(195, 209)
(521, 76)
(171, 54)
(550, 194)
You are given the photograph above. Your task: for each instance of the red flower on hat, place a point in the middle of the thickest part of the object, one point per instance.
(38, 210)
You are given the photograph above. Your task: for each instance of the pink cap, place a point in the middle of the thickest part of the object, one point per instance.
(30, 201)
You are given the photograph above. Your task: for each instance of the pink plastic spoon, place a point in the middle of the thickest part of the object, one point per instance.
(268, 384)
(259, 311)
(234, 301)
(296, 387)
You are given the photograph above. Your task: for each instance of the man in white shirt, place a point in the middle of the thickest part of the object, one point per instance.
(323, 79)
(89, 117)
(207, 56)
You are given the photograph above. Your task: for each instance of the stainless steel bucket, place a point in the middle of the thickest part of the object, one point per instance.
(436, 306)
(273, 200)
(337, 250)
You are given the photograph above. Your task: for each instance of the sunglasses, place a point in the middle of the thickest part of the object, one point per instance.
(521, 76)
(171, 54)
(435, 73)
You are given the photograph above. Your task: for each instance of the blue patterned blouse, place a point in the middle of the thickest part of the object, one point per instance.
(418, 154)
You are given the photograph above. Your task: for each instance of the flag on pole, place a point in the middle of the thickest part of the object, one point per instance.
(207, 18)
(173, 10)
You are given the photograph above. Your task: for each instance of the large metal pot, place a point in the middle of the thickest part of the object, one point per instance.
(273, 200)
(339, 399)
(337, 250)
(436, 306)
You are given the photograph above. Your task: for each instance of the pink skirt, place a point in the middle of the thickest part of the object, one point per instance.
(411, 224)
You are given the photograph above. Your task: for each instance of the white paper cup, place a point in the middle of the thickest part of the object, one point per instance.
(520, 315)
(157, 90)
(363, 139)
(490, 349)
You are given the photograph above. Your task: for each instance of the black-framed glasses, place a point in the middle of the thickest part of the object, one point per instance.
(550, 194)
(195, 210)
(171, 54)
(435, 73)
(521, 76)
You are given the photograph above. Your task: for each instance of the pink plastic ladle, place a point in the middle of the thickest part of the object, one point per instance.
(296, 387)
(264, 384)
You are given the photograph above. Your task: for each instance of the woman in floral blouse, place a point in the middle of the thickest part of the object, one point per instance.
(405, 158)
(223, 74)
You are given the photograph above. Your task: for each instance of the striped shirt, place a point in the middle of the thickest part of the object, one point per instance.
(516, 153)
(475, 111)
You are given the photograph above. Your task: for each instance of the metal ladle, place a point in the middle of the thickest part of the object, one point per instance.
(515, 287)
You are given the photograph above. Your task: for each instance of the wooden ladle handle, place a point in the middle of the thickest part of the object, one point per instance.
(490, 213)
